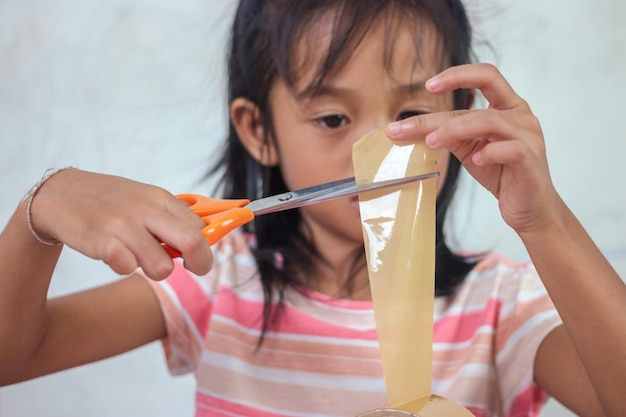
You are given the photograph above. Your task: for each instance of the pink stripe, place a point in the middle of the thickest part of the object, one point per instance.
(194, 300)
(208, 406)
(248, 314)
(336, 302)
(455, 328)
(478, 412)
(528, 403)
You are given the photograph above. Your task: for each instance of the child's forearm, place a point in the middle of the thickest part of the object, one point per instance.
(26, 267)
(591, 300)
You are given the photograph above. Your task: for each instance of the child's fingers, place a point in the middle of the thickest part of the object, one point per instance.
(121, 222)
(497, 125)
(506, 107)
(455, 130)
(174, 224)
(117, 256)
(420, 126)
(141, 247)
(128, 248)
(484, 77)
(487, 123)
(187, 238)
(504, 153)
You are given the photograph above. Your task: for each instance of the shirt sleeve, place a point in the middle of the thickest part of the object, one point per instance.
(527, 316)
(186, 303)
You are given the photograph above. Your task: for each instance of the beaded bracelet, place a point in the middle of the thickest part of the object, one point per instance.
(28, 198)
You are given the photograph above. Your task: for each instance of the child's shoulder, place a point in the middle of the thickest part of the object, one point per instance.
(498, 287)
(493, 261)
(500, 277)
(234, 262)
(236, 243)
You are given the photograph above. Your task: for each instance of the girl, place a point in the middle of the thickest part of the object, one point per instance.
(277, 319)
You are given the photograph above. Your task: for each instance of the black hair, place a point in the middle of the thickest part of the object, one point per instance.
(261, 52)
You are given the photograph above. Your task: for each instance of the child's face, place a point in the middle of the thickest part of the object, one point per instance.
(314, 135)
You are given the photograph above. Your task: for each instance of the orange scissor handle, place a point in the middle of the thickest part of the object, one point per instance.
(221, 217)
(204, 206)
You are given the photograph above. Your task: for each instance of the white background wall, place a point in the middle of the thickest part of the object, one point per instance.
(135, 88)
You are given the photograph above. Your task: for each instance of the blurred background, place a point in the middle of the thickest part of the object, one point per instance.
(136, 88)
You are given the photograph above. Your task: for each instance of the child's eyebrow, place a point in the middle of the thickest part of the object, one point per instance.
(332, 91)
(323, 90)
(410, 88)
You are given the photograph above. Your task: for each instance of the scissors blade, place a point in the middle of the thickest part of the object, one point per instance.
(324, 192)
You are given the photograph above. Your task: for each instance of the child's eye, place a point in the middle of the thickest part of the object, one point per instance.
(333, 121)
(410, 113)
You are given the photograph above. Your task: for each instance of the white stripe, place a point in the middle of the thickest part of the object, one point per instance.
(245, 260)
(459, 309)
(512, 348)
(526, 295)
(523, 331)
(523, 296)
(306, 379)
(298, 355)
(446, 347)
(476, 371)
(227, 253)
(245, 291)
(183, 312)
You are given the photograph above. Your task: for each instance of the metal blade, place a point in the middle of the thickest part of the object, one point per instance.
(325, 192)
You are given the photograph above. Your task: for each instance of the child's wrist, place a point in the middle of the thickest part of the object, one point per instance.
(28, 201)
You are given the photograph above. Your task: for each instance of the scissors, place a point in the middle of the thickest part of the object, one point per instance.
(224, 215)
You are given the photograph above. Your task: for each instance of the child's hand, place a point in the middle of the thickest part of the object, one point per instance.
(120, 222)
(502, 146)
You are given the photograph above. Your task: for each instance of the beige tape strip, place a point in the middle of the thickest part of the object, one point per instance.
(399, 234)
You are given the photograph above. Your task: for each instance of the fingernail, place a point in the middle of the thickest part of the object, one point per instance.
(432, 83)
(431, 139)
(395, 128)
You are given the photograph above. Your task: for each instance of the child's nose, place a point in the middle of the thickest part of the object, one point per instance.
(370, 124)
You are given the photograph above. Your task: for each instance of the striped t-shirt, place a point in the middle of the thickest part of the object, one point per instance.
(321, 357)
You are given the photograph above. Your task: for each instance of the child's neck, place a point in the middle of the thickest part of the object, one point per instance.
(342, 281)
